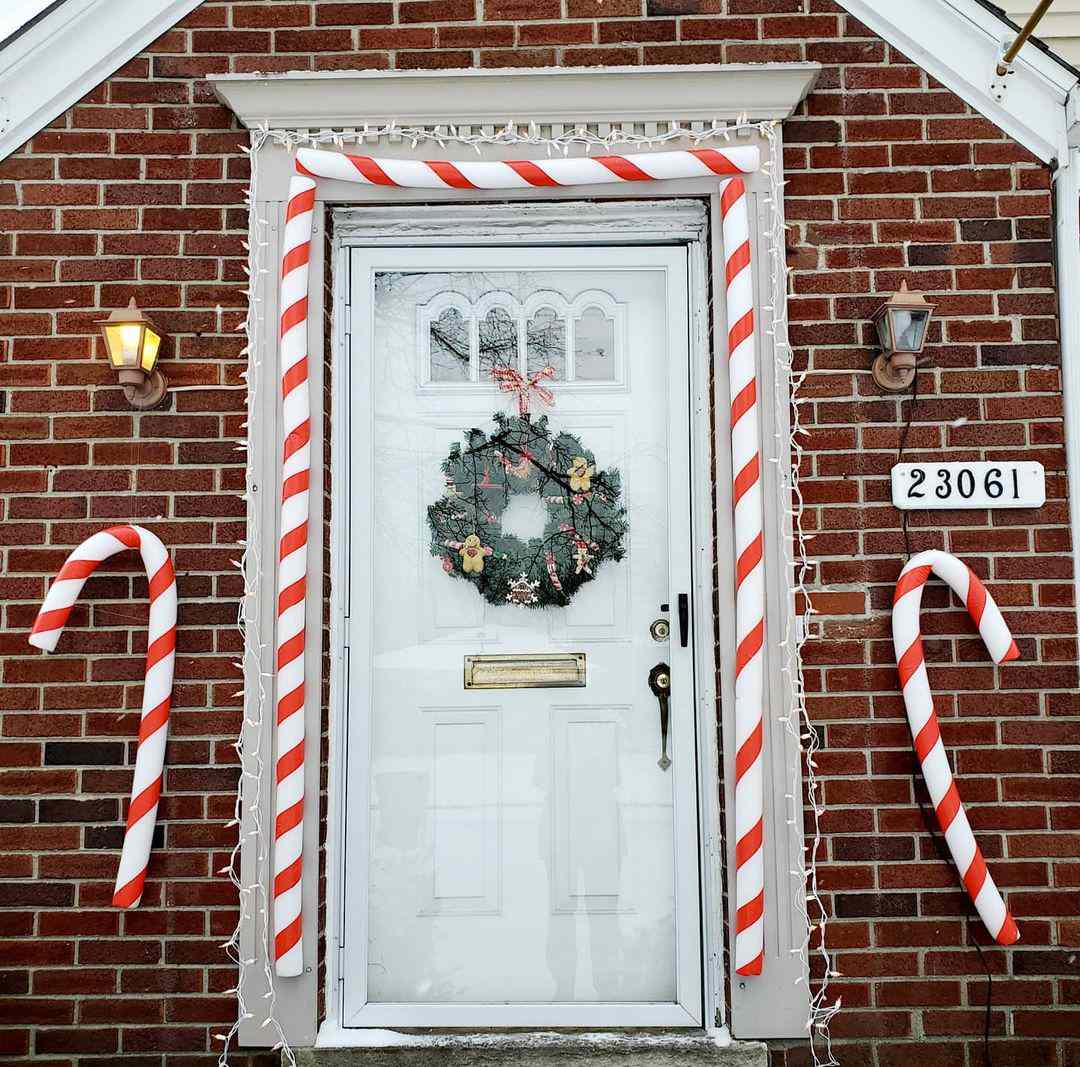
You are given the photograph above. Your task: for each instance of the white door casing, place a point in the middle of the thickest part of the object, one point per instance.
(462, 906)
(640, 100)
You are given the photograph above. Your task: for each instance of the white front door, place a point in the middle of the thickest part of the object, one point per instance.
(517, 856)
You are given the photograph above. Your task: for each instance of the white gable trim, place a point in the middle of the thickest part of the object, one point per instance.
(959, 42)
(70, 51)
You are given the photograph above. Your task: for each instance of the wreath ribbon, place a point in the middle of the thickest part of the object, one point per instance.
(510, 381)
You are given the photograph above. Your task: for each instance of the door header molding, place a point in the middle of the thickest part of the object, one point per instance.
(658, 221)
(551, 95)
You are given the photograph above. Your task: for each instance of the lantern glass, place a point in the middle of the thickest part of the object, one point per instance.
(151, 342)
(124, 341)
(908, 328)
(881, 324)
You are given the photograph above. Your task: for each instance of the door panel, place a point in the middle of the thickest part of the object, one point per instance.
(516, 856)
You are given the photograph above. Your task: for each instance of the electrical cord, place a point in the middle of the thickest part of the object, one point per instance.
(929, 821)
(912, 403)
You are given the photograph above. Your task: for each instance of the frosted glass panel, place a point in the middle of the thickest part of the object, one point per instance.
(520, 842)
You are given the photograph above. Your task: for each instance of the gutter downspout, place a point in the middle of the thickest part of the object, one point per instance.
(1067, 242)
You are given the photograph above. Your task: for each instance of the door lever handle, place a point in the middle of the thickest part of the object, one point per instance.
(660, 684)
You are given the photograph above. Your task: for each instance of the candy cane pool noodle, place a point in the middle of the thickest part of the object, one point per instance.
(524, 174)
(313, 164)
(157, 685)
(749, 585)
(922, 718)
(292, 582)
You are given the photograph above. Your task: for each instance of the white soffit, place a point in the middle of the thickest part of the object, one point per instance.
(59, 58)
(959, 42)
(569, 96)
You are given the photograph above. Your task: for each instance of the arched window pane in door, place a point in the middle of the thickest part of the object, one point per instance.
(449, 347)
(545, 343)
(594, 346)
(498, 342)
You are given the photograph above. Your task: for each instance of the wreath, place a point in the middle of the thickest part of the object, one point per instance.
(586, 522)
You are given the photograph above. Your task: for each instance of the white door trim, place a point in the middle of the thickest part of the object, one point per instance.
(672, 221)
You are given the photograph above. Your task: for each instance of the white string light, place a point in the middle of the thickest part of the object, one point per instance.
(252, 896)
(786, 385)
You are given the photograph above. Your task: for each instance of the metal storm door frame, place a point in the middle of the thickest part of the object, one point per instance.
(356, 417)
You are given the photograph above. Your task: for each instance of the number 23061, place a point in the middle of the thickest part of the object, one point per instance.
(925, 486)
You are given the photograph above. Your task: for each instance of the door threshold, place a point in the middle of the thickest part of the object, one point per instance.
(339, 1047)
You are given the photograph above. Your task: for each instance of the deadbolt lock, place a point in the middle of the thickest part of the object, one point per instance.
(660, 630)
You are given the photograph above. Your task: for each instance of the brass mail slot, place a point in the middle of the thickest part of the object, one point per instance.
(546, 670)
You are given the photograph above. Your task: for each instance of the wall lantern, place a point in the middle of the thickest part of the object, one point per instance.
(901, 324)
(133, 343)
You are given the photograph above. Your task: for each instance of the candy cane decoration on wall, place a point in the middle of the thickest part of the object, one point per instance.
(311, 164)
(923, 720)
(157, 684)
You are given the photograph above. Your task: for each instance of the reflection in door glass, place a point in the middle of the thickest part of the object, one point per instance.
(449, 347)
(545, 343)
(498, 341)
(518, 848)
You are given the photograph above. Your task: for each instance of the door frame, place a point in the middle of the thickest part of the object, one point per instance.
(355, 417)
(656, 221)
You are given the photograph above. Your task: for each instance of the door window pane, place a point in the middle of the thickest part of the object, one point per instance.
(449, 347)
(498, 342)
(546, 343)
(594, 346)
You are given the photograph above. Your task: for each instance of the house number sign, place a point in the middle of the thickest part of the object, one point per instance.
(930, 486)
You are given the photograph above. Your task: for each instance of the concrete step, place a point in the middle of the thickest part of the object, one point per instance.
(675, 1049)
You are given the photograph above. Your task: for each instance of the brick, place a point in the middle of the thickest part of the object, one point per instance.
(353, 14)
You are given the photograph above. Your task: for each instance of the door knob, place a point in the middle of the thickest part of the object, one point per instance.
(660, 684)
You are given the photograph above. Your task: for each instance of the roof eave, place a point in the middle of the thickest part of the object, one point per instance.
(69, 51)
(959, 42)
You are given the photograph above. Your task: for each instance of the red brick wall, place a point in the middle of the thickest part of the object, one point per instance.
(138, 191)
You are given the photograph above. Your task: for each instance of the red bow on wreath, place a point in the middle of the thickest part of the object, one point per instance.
(510, 381)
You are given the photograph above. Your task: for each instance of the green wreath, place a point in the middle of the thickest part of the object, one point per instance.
(586, 522)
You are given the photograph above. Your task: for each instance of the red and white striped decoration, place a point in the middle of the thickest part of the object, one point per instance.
(312, 164)
(157, 684)
(749, 584)
(923, 720)
(292, 580)
(524, 173)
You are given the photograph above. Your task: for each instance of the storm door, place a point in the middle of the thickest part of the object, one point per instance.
(520, 816)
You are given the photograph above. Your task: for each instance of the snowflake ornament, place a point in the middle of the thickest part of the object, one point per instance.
(522, 591)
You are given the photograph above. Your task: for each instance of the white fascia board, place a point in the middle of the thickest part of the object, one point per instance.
(1067, 226)
(70, 51)
(959, 42)
(480, 97)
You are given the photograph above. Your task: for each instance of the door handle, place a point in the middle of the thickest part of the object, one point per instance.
(660, 684)
(684, 617)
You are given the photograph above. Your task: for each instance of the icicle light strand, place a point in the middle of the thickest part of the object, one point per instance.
(787, 382)
(254, 903)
